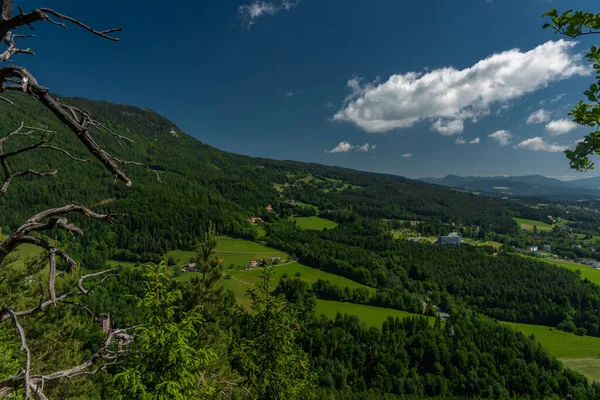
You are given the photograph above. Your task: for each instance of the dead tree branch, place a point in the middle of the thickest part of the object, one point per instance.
(46, 137)
(112, 347)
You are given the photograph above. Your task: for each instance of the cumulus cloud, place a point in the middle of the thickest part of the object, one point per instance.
(447, 97)
(448, 127)
(250, 13)
(503, 137)
(345, 147)
(538, 117)
(560, 127)
(474, 141)
(406, 155)
(460, 140)
(539, 144)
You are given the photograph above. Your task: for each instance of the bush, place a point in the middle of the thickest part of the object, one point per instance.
(581, 331)
(297, 275)
(171, 261)
(285, 275)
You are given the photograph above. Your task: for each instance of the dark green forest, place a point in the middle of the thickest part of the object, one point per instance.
(469, 356)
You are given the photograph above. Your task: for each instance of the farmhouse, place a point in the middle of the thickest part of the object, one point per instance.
(531, 249)
(452, 238)
(253, 264)
(192, 267)
(275, 259)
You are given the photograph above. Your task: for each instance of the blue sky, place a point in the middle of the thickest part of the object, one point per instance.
(288, 79)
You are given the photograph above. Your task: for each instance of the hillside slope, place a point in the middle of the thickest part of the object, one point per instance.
(202, 184)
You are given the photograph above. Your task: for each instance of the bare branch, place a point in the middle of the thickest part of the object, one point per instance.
(24, 348)
(112, 347)
(41, 14)
(9, 175)
(76, 119)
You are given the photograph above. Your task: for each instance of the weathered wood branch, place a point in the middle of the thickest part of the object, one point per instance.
(112, 347)
(76, 119)
(47, 220)
(8, 24)
(9, 174)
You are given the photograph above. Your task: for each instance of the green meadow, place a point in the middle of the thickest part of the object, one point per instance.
(236, 252)
(528, 224)
(372, 316)
(576, 352)
(591, 274)
(314, 223)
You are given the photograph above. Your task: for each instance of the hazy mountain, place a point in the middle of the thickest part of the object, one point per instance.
(529, 185)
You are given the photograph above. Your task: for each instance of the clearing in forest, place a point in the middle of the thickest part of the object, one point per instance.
(315, 223)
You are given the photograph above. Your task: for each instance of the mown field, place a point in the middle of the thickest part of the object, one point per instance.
(528, 224)
(314, 223)
(591, 274)
(576, 352)
(236, 252)
(307, 274)
(372, 316)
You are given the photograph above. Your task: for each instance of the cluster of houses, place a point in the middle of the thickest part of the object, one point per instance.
(257, 263)
(591, 263)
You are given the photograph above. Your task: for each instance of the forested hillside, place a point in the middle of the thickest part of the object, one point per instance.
(201, 183)
(468, 356)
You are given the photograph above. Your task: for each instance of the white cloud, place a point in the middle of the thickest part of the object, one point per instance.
(406, 155)
(448, 96)
(557, 98)
(460, 140)
(538, 117)
(475, 141)
(329, 105)
(538, 144)
(503, 137)
(249, 13)
(448, 127)
(560, 127)
(345, 147)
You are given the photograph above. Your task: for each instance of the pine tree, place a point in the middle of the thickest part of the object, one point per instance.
(265, 353)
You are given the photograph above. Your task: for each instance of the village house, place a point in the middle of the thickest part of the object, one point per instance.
(192, 267)
(253, 264)
(269, 208)
(275, 259)
(531, 249)
(254, 220)
(547, 248)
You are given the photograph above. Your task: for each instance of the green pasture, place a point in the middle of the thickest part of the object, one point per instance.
(528, 224)
(373, 316)
(314, 223)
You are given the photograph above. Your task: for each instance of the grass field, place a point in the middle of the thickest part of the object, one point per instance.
(528, 224)
(233, 251)
(307, 274)
(314, 223)
(561, 344)
(590, 367)
(474, 242)
(576, 352)
(24, 253)
(373, 316)
(591, 274)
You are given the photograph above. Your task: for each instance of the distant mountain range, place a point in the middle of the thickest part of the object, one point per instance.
(529, 186)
